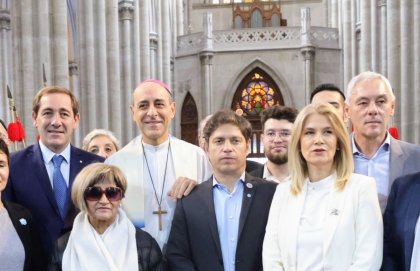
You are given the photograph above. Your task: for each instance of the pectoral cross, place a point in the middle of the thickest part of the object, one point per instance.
(160, 212)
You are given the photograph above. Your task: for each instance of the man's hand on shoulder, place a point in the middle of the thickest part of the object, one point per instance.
(182, 187)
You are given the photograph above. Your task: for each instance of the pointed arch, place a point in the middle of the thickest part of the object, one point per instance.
(256, 92)
(189, 120)
(278, 79)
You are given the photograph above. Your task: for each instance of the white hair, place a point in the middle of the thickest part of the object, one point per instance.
(367, 76)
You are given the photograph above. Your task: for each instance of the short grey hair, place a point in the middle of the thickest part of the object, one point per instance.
(100, 132)
(367, 76)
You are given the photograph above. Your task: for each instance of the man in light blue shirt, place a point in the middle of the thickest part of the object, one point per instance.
(370, 104)
(221, 224)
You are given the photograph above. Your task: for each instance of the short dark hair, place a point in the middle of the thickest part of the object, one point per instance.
(222, 117)
(327, 87)
(5, 149)
(278, 112)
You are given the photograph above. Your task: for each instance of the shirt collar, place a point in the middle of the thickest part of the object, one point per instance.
(385, 145)
(217, 184)
(47, 154)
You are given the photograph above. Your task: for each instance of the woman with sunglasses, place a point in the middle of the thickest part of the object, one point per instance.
(103, 238)
(19, 241)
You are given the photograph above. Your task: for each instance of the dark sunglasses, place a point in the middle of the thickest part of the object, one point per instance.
(94, 193)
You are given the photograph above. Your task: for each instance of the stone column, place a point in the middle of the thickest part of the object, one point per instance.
(154, 41)
(407, 118)
(206, 58)
(87, 56)
(354, 33)
(144, 39)
(415, 129)
(102, 101)
(116, 111)
(126, 8)
(365, 44)
(136, 45)
(346, 41)
(374, 34)
(179, 17)
(157, 12)
(26, 56)
(166, 42)
(74, 86)
(394, 54)
(383, 39)
(43, 57)
(307, 50)
(5, 63)
(60, 50)
(308, 54)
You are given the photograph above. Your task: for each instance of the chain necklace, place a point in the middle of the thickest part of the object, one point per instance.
(159, 211)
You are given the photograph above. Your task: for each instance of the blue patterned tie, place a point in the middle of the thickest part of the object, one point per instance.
(60, 187)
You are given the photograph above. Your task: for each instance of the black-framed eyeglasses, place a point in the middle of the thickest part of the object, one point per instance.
(94, 193)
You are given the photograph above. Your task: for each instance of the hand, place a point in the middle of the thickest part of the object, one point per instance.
(182, 187)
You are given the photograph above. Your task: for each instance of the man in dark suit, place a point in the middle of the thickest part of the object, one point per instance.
(402, 225)
(221, 224)
(277, 123)
(34, 179)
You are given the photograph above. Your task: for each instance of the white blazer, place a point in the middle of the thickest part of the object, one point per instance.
(353, 236)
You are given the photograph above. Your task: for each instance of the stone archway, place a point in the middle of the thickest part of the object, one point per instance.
(189, 120)
(256, 92)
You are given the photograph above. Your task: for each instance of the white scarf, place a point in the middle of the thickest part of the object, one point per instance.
(114, 250)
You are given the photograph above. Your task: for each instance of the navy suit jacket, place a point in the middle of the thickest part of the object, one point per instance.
(30, 186)
(400, 220)
(194, 242)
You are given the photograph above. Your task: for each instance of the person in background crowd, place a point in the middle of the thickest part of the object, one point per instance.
(402, 225)
(329, 93)
(41, 175)
(159, 167)
(103, 238)
(220, 225)
(326, 217)
(370, 104)
(101, 142)
(19, 240)
(277, 123)
(200, 134)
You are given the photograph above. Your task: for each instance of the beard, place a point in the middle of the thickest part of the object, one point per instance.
(278, 159)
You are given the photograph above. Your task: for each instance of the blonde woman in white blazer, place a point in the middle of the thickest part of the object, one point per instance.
(326, 217)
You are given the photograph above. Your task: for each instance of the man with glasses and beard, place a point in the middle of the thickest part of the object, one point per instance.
(277, 123)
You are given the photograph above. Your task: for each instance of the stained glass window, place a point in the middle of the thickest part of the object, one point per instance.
(257, 95)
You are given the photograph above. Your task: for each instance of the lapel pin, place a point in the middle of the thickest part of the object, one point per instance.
(80, 161)
(23, 221)
(249, 185)
(248, 195)
(334, 212)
